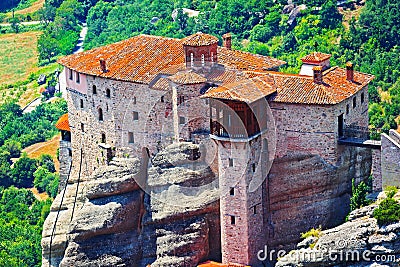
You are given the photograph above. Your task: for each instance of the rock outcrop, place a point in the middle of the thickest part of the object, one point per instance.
(133, 214)
(358, 242)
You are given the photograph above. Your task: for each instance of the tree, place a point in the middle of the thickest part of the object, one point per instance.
(330, 15)
(47, 13)
(13, 147)
(22, 172)
(46, 161)
(47, 47)
(359, 194)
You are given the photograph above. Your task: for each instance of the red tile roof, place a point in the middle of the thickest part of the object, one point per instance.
(62, 123)
(334, 88)
(294, 88)
(200, 39)
(248, 90)
(187, 77)
(316, 57)
(140, 58)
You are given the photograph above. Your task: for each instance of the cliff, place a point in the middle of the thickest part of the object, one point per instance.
(356, 243)
(109, 220)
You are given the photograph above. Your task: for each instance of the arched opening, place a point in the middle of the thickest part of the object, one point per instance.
(94, 89)
(162, 99)
(100, 114)
(108, 93)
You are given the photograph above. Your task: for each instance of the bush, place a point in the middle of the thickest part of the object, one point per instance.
(387, 212)
(359, 194)
(312, 233)
(391, 191)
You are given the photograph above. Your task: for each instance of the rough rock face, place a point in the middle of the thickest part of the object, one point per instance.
(172, 219)
(358, 242)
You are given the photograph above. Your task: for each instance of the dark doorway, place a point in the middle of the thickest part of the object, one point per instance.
(340, 126)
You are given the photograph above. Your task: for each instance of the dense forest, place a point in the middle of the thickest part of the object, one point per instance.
(21, 214)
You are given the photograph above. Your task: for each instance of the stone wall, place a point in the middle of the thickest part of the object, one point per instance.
(390, 159)
(65, 158)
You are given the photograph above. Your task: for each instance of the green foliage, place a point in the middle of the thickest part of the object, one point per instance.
(387, 212)
(22, 172)
(391, 191)
(21, 220)
(359, 194)
(46, 181)
(312, 233)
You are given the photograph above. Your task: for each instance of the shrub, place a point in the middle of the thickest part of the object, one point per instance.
(312, 233)
(391, 191)
(359, 194)
(387, 212)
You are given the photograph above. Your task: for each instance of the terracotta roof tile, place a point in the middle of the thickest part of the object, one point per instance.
(187, 77)
(200, 39)
(63, 123)
(141, 58)
(248, 90)
(294, 88)
(316, 57)
(334, 89)
(161, 84)
(247, 61)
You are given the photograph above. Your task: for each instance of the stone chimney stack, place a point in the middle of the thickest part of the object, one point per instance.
(349, 71)
(227, 39)
(317, 74)
(103, 66)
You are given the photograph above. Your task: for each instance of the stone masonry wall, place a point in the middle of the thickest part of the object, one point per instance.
(65, 159)
(390, 159)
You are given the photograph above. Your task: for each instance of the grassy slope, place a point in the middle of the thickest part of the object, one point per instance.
(49, 147)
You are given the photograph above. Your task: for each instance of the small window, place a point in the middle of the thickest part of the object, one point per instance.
(207, 101)
(362, 98)
(202, 60)
(78, 77)
(108, 93)
(134, 100)
(70, 74)
(83, 127)
(162, 99)
(212, 56)
(182, 120)
(191, 59)
(181, 99)
(135, 115)
(233, 220)
(100, 114)
(230, 162)
(103, 138)
(131, 138)
(347, 109)
(255, 209)
(253, 166)
(94, 89)
(232, 191)
(81, 103)
(354, 102)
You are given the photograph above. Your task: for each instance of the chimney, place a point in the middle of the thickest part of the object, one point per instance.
(227, 38)
(317, 70)
(349, 71)
(103, 66)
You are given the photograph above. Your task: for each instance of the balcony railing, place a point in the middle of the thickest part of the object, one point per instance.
(359, 132)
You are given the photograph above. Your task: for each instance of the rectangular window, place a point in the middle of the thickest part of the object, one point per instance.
(362, 98)
(347, 109)
(232, 191)
(182, 120)
(135, 116)
(83, 127)
(181, 100)
(233, 220)
(134, 100)
(131, 138)
(78, 77)
(253, 166)
(255, 209)
(230, 162)
(70, 74)
(354, 102)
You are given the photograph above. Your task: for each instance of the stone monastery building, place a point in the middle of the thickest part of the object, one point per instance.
(282, 161)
